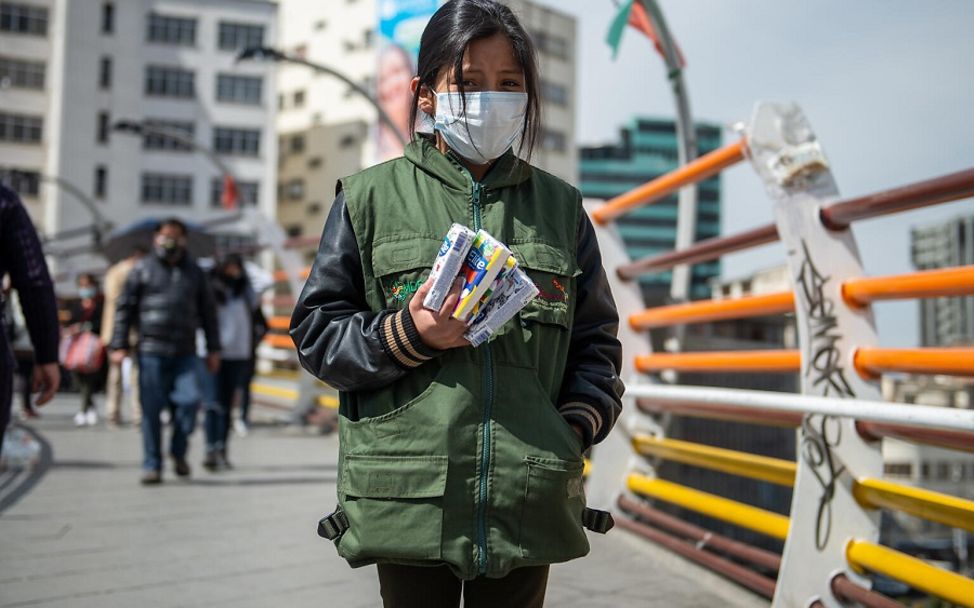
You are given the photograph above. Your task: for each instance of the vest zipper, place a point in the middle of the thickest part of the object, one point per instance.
(488, 402)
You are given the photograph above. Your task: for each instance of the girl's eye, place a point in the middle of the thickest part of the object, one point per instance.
(511, 83)
(469, 83)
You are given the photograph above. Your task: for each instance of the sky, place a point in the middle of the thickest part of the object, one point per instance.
(888, 86)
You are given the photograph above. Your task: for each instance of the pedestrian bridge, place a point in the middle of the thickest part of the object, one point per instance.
(824, 544)
(78, 530)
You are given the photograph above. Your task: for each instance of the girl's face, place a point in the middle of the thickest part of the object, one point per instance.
(489, 64)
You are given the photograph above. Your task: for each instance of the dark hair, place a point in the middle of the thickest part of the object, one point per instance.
(92, 279)
(448, 34)
(173, 221)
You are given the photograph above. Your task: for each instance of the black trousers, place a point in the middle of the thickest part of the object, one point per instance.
(438, 587)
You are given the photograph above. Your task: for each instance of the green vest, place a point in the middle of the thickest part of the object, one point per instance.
(465, 460)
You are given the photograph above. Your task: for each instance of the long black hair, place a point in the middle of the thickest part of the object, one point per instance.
(451, 29)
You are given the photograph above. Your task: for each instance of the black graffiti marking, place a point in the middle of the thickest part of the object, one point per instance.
(824, 355)
(817, 444)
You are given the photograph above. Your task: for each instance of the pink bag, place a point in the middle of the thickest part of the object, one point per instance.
(83, 353)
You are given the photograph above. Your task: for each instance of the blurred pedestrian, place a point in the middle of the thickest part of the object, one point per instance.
(114, 284)
(237, 307)
(242, 424)
(19, 340)
(86, 318)
(22, 258)
(167, 297)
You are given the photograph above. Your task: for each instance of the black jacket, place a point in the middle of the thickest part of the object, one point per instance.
(343, 342)
(167, 302)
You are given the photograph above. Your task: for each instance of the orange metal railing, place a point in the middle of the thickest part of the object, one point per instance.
(871, 362)
(768, 361)
(925, 284)
(714, 310)
(695, 171)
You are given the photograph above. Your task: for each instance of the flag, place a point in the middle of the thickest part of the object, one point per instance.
(634, 14)
(230, 196)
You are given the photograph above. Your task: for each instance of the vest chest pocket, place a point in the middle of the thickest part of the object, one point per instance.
(553, 270)
(394, 506)
(400, 267)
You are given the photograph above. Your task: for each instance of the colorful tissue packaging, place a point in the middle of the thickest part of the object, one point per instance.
(485, 260)
(449, 261)
(514, 291)
(494, 287)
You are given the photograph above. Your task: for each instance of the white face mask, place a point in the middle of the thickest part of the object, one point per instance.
(488, 128)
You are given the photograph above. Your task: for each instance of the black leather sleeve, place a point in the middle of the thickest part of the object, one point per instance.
(126, 309)
(591, 392)
(339, 339)
(207, 309)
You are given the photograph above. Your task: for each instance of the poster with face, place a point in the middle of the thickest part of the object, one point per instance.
(401, 25)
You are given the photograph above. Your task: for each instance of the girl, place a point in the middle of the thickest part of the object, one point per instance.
(461, 468)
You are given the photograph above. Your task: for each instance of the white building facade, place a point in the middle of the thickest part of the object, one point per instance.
(165, 63)
(342, 35)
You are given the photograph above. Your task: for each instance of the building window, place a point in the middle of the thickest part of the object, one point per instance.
(320, 25)
(170, 30)
(159, 141)
(167, 189)
(169, 82)
(20, 128)
(898, 469)
(237, 142)
(247, 193)
(280, 101)
(347, 141)
(236, 36)
(313, 208)
(101, 181)
(299, 99)
(294, 189)
(549, 44)
(297, 144)
(107, 17)
(315, 162)
(23, 182)
(295, 230)
(553, 140)
(105, 73)
(23, 19)
(21, 74)
(554, 93)
(239, 89)
(104, 127)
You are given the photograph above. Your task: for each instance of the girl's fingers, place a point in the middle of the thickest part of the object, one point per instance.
(452, 297)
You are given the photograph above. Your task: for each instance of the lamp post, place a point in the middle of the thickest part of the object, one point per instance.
(271, 54)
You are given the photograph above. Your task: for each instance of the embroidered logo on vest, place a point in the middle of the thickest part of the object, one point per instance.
(400, 291)
(552, 293)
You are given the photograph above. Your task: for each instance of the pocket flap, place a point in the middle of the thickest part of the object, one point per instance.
(394, 476)
(546, 258)
(399, 255)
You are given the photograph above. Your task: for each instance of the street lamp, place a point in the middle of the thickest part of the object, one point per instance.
(264, 53)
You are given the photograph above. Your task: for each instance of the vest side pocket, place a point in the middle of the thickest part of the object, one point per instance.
(394, 506)
(551, 517)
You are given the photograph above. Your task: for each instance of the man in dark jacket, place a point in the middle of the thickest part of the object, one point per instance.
(22, 258)
(167, 297)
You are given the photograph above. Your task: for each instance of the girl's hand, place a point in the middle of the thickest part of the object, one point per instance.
(438, 329)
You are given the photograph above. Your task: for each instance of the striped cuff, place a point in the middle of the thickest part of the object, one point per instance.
(400, 339)
(587, 417)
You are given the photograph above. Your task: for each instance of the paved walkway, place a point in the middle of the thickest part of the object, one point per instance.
(83, 533)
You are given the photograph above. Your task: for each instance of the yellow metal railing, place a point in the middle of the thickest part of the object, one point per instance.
(930, 505)
(774, 470)
(914, 572)
(737, 513)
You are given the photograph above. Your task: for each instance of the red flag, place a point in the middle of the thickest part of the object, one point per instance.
(640, 20)
(230, 195)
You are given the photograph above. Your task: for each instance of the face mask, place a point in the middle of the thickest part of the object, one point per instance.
(86, 292)
(487, 129)
(169, 249)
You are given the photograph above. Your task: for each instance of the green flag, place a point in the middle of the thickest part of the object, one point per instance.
(618, 26)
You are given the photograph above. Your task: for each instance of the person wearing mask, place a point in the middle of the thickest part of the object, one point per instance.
(22, 258)
(86, 316)
(167, 297)
(236, 305)
(461, 470)
(114, 283)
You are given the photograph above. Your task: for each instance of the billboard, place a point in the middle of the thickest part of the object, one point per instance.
(401, 25)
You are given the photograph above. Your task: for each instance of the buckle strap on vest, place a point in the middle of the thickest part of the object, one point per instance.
(597, 520)
(334, 525)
